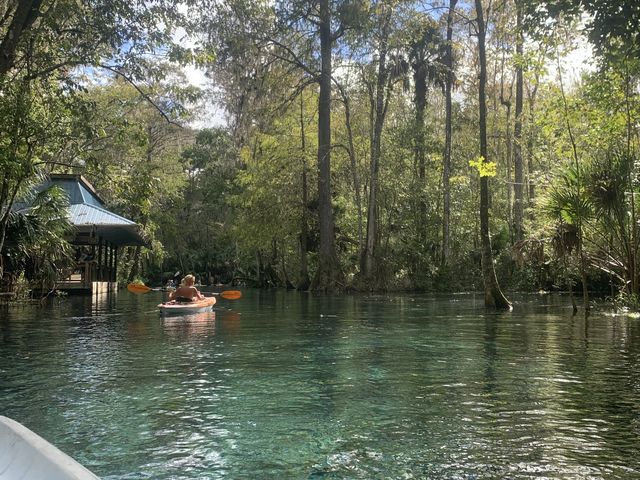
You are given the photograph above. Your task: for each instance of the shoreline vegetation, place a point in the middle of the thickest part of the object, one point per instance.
(600, 302)
(369, 146)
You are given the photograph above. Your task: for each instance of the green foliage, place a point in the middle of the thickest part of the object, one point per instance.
(134, 161)
(230, 203)
(36, 247)
(626, 302)
(41, 122)
(211, 164)
(612, 25)
(567, 200)
(49, 53)
(593, 202)
(115, 33)
(268, 201)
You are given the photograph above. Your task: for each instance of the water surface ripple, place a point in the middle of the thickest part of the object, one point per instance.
(289, 385)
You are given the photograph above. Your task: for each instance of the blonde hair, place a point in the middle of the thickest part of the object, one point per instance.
(188, 280)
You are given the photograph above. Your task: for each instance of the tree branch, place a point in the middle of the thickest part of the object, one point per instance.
(295, 59)
(141, 92)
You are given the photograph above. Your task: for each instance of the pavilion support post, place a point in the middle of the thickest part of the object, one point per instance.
(112, 258)
(100, 261)
(94, 264)
(109, 260)
(115, 265)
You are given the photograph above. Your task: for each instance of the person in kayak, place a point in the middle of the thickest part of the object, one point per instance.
(186, 292)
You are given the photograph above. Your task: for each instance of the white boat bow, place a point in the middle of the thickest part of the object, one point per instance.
(24, 455)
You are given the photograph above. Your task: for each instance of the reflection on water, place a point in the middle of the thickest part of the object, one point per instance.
(283, 384)
(197, 324)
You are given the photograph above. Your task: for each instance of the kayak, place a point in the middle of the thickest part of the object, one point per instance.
(138, 288)
(187, 308)
(24, 454)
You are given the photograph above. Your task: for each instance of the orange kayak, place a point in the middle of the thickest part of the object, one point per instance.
(187, 308)
(138, 288)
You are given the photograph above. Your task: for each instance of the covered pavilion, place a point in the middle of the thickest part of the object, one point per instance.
(98, 237)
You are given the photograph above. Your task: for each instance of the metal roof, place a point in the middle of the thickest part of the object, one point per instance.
(87, 212)
(77, 191)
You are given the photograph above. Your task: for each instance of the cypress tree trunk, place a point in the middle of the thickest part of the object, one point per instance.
(509, 141)
(531, 192)
(370, 253)
(518, 207)
(420, 102)
(446, 168)
(356, 177)
(354, 167)
(370, 265)
(493, 296)
(303, 275)
(328, 274)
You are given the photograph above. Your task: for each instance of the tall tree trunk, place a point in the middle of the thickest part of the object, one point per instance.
(420, 102)
(259, 268)
(25, 14)
(518, 207)
(493, 296)
(354, 167)
(446, 167)
(507, 103)
(303, 275)
(370, 266)
(531, 192)
(328, 274)
(633, 250)
(285, 276)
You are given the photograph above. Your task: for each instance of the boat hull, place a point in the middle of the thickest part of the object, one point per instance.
(200, 306)
(24, 454)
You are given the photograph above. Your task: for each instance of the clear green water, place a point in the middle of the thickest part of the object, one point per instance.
(288, 385)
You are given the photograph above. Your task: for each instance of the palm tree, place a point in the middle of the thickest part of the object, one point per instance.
(426, 57)
(36, 244)
(569, 206)
(426, 52)
(611, 190)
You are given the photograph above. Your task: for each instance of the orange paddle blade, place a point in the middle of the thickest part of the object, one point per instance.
(231, 294)
(137, 288)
